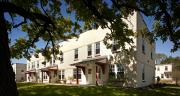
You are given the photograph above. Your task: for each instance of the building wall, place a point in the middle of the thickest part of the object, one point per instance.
(133, 70)
(160, 70)
(19, 70)
(145, 61)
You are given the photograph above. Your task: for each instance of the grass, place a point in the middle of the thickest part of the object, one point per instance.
(28, 89)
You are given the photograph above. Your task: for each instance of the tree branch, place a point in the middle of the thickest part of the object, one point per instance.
(12, 8)
(118, 6)
(23, 22)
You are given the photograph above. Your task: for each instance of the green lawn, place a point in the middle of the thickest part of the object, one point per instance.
(27, 89)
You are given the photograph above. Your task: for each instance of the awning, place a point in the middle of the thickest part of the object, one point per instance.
(30, 71)
(96, 60)
(55, 67)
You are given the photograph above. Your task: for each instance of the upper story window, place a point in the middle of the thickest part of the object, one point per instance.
(151, 55)
(166, 68)
(51, 61)
(114, 46)
(37, 64)
(33, 65)
(158, 69)
(97, 48)
(143, 45)
(61, 57)
(89, 50)
(76, 54)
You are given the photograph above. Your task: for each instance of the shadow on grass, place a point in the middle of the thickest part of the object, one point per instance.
(59, 90)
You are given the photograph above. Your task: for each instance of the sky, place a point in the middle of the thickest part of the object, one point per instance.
(160, 46)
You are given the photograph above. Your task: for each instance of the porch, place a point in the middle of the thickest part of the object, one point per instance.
(49, 74)
(94, 70)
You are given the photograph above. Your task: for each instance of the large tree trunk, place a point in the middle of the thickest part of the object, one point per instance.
(7, 77)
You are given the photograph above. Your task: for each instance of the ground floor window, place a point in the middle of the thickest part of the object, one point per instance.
(162, 75)
(112, 74)
(116, 71)
(45, 75)
(61, 74)
(75, 73)
(120, 71)
(143, 73)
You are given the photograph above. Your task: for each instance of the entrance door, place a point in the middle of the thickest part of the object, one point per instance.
(89, 78)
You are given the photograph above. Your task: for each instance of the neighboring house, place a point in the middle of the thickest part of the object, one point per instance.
(164, 71)
(19, 70)
(86, 60)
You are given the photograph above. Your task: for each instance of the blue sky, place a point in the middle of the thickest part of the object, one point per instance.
(160, 47)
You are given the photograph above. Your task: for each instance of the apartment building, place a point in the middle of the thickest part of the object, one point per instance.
(164, 71)
(19, 70)
(86, 60)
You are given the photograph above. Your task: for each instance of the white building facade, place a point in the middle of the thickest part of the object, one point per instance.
(164, 71)
(86, 60)
(19, 70)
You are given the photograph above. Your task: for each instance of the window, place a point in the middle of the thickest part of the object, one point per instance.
(44, 75)
(22, 78)
(112, 74)
(143, 46)
(51, 61)
(120, 71)
(158, 69)
(89, 50)
(97, 47)
(166, 68)
(76, 54)
(33, 65)
(162, 75)
(37, 64)
(167, 75)
(143, 73)
(61, 57)
(75, 73)
(151, 55)
(89, 71)
(114, 46)
(61, 74)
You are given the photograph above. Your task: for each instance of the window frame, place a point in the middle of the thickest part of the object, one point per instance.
(97, 48)
(89, 50)
(76, 54)
(75, 73)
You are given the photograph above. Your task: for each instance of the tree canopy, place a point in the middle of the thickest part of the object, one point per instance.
(93, 14)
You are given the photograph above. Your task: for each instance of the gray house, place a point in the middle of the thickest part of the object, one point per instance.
(19, 70)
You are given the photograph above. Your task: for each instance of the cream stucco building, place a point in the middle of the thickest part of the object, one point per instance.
(86, 60)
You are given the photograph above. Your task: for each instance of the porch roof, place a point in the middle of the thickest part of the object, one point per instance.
(96, 60)
(54, 67)
(30, 71)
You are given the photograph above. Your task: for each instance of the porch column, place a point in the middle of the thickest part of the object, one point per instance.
(42, 76)
(77, 81)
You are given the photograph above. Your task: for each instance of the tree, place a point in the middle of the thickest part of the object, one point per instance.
(110, 13)
(160, 57)
(43, 19)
